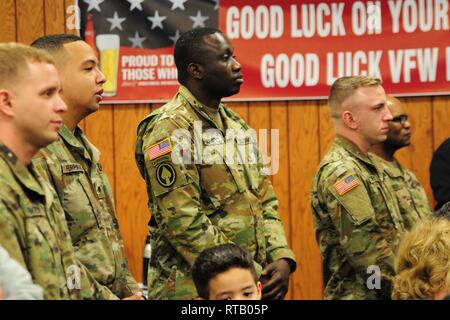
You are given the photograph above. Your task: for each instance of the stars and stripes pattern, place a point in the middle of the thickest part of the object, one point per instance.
(160, 148)
(148, 23)
(346, 184)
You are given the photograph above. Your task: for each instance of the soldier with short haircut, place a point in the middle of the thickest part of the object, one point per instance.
(356, 217)
(411, 196)
(200, 196)
(72, 165)
(32, 225)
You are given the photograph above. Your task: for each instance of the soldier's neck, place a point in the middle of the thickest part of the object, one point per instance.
(355, 138)
(204, 97)
(71, 118)
(383, 151)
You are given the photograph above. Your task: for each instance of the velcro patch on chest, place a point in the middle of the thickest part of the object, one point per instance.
(160, 148)
(346, 184)
(72, 167)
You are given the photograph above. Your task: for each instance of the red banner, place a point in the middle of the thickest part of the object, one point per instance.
(288, 49)
(296, 49)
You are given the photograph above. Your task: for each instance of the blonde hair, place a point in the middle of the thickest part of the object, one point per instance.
(423, 260)
(344, 87)
(14, 58)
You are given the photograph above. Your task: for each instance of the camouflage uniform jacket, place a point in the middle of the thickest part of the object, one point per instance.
(86, 195)
(412, 198)
(358, 224)
(34, 232)
(203, 203)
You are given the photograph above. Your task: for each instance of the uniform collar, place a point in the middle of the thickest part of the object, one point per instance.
(77, 141)
(19, 170)
(391, 168)
(197, 105)
(352, 149)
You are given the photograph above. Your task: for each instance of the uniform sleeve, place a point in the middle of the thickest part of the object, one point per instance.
(91, 289)
(420, 195)
(276, 242)
(9, 238)
(125, 282)
(174, 189)
(15, 281)
(346, 202)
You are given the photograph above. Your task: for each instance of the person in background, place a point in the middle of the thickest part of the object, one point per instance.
(440, 174)
(411, 196)
(357, 219)
(15, 280)
(33, 229)
(200, 199)
(226, 272)
(422, 264)
(73, 167)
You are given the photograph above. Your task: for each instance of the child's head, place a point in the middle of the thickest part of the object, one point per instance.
(423, 261)
(226, 272)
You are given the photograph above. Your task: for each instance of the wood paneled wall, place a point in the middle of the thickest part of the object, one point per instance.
(305, 134)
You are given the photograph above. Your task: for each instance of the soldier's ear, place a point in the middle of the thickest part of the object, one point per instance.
(195, 70)
(6, 105)
(349, 120)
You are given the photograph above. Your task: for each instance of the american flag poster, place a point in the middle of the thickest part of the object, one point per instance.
(134, 40)
(288, 49)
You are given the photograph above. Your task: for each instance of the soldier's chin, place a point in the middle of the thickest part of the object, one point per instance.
(234, 90)
(237, 87)
(93, 107)
(382, 138)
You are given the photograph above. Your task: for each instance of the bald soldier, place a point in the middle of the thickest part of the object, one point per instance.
(357, 219)
(411, 196)
(33, 229)
(74, 168)
(200, 194)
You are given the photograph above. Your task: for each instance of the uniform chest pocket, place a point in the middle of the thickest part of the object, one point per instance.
(249, 165)
(41, 240)
(216, 177)
(385, 204)
(81, 208)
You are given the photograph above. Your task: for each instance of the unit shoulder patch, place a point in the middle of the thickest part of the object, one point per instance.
(166, 174)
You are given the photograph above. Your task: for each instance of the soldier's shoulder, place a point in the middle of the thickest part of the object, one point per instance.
(8, 182)
(174, 114)
(235, 117)
(52, 155)
(336, 164)
(164, 123)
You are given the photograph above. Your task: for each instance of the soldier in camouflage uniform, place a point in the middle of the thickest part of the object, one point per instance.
(199, 197)
(32, 225)
(357, 218)
(76, 173)
(411, 196)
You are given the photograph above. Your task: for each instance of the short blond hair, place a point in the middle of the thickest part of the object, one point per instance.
(422, 263)
(344, 87)
(13, 61)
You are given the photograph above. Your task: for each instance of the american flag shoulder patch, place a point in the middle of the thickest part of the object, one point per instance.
(159, 149)
(346, 184)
